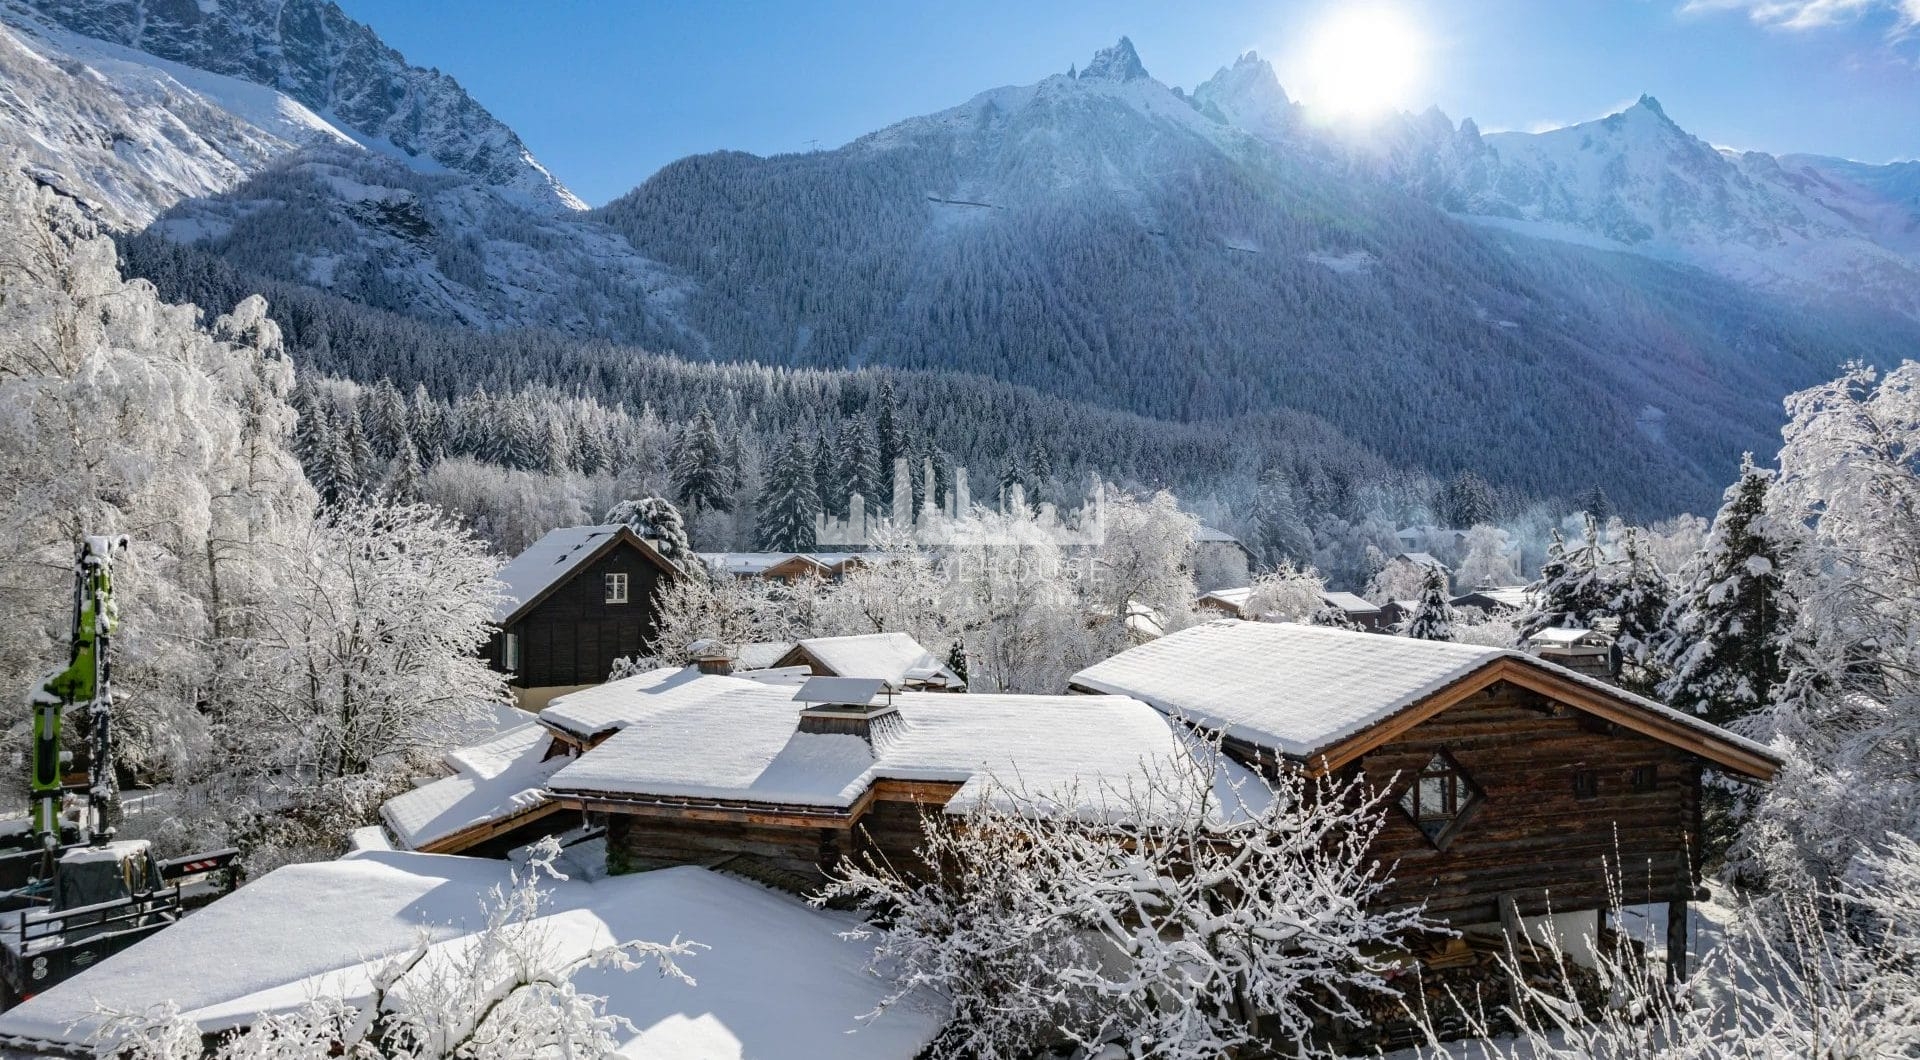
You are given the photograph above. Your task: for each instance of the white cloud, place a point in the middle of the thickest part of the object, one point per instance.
(1813, 14)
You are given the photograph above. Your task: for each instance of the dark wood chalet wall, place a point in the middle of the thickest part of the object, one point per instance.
(1532, 836)
(574, 635)
(887, 826)
(636, 844)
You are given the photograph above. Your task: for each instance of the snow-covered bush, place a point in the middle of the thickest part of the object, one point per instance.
(1149, 927)
(504, 993)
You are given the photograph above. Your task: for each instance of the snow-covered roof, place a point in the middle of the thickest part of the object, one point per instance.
(752, 564)
(503, 777)
(692, 735)
(1208, 533)
(760, 654)
(1349, 603)
(1233, 598)
(1302, 689)
(1421, 559)
(548, 562)
(777, 979)
(1513, 596)
(1561, 637)
(895, 658)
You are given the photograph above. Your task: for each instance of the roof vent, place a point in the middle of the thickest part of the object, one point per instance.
(845, 706)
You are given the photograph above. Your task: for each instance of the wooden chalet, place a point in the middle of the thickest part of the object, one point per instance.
(1514, 785)
(579, 598)
(779, 782)
(1232, 603)
(769, 566)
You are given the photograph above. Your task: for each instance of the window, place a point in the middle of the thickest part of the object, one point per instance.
(1586, 784)
(510, 653)
(616, 588)
(1439, 798)
(1646, 778)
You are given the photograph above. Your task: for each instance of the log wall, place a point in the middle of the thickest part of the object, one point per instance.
(1532, 836)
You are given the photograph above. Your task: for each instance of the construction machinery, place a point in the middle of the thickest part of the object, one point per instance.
(70, 893)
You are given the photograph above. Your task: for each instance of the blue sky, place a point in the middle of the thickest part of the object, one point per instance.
(606, 92)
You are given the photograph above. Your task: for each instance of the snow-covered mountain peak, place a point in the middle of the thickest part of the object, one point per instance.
(1118, 63)
(1247, 95)
(314, 53)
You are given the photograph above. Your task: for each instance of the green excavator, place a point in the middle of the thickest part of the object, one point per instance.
(70, 893)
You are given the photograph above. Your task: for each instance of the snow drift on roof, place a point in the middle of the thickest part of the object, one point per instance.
(500, 778)
(547, 562)
(1349, 603)
(1301, 689)
(891, 657)
(778, 978)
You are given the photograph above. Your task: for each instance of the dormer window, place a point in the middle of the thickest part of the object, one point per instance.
(1438, 799)
(616, 588)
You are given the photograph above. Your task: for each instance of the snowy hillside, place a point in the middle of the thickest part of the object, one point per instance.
(313, 52)
(439, 246)
(131, 134)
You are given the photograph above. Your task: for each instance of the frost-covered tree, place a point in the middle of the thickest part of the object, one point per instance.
(1489, 559)
(1289, 594)
(1013, 597)
(1169, 925)
(859, 466)
(1725, 630)
(789, 503)
(126, 415)
(1143, 559)
(659, 523)
(713, 605)
(1432, 617)
(1847, 713)
(703, 474)
(1400, 578)
(506, 992)
(897, 588)
(369, 647)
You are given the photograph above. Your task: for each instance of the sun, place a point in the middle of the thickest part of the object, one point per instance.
(1361, 62)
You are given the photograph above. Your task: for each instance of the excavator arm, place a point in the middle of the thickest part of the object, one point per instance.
(87, 678)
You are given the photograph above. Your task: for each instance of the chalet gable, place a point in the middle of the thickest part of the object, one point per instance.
(894, 658)
(557, 558)
(1324, 697)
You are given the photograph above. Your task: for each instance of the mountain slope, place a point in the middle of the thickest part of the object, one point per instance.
(1102, 235)
(128, 134)
(314, 53)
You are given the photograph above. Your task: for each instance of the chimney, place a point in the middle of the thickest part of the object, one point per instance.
(1584, 651)
(712, 657)
(846, 706)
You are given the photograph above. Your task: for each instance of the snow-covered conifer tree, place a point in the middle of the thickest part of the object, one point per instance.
(1279, 532)
(1725, 630)
(702, 477)
(788, 504)
(402, 484)
(1638, 604)
(656, 520)
(1575, 587)
(1432, 617)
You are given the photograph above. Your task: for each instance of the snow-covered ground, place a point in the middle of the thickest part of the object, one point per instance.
(775, 979)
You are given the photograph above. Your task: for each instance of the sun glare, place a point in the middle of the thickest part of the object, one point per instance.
(1359, 63)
